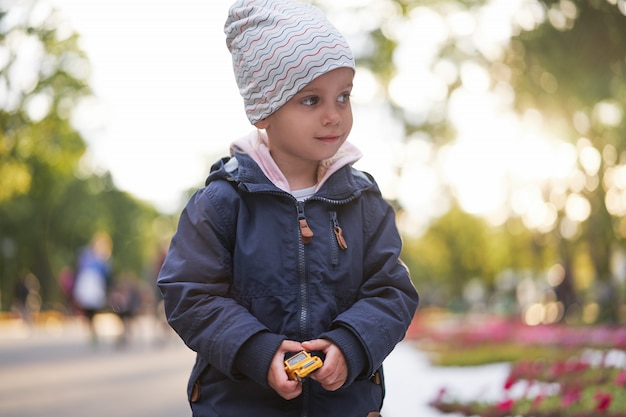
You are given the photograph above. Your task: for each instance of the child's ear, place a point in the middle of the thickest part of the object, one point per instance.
(262, 124)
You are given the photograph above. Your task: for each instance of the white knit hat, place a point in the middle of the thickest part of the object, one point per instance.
(278, 47)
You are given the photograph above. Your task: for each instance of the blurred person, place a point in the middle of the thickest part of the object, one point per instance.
(126, 302)
(66, 284)
(27, 298)
(93, 279)
(163, 331)
(288, 247)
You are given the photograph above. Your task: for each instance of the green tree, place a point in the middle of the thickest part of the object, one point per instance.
(51, 202)
(572, 68)
(564, 63)
(568, 65)
(459, 248)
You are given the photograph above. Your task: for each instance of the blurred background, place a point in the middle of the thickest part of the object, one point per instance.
(496, 128)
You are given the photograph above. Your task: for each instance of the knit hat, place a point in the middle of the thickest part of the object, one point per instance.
(278, 47)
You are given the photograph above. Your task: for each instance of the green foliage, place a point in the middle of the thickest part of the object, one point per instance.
(382, 49)
(568, 68)
(571, 63)
(488, 353)
(459, 247)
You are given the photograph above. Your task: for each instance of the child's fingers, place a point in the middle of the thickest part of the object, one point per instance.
(277, 377)
(290, 346)
(317, 344)
(333, 374)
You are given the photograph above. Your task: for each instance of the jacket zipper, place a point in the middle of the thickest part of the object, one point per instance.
(302, 268)
(306, 234)
(336, 241)
(337, 231)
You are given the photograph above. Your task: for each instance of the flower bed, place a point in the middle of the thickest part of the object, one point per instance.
(581, 373)
(577, 387)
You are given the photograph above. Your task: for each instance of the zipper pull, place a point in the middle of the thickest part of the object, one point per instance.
(340, 240)
(306, 234)
(338, 232)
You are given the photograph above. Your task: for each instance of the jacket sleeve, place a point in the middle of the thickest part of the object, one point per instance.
(195, 280)
(387, 299)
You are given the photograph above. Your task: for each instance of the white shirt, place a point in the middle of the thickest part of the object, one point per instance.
(304, 193)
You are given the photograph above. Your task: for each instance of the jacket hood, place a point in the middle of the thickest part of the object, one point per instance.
(256, 146)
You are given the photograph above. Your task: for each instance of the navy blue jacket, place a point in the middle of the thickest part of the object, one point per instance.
(238, 280)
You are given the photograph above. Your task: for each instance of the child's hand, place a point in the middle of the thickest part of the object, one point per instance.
(334, 373)
(277, 377)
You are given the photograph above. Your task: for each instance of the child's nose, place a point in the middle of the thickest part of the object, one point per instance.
(332, 116)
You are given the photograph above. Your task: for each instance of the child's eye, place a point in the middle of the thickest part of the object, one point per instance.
(310, 101)
(344, 98)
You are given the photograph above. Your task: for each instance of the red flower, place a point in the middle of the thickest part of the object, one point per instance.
(505, 405)
(510, 381)
(603, 399)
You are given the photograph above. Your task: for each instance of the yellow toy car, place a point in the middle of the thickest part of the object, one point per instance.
(302, 364)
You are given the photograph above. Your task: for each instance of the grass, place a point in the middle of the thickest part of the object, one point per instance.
(449, 354)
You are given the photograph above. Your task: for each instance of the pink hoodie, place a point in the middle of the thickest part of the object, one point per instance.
(255, 144)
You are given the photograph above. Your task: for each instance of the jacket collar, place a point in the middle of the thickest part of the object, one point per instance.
(255, 144)
(343, 183)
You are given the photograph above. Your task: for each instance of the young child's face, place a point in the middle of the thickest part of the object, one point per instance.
(313, 124)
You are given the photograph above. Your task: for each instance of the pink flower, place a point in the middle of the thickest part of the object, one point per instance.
(570, 397)
(510, 381)
(620, 379)
(529, 386)
(505, 405)
(538, 400)
(603, 399)
(440, 394)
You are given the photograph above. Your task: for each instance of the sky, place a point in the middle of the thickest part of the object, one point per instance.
(166, 104)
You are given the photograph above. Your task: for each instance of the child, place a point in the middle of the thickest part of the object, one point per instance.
(288, 248)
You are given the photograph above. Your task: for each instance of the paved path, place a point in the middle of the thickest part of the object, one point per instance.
(56, 372)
